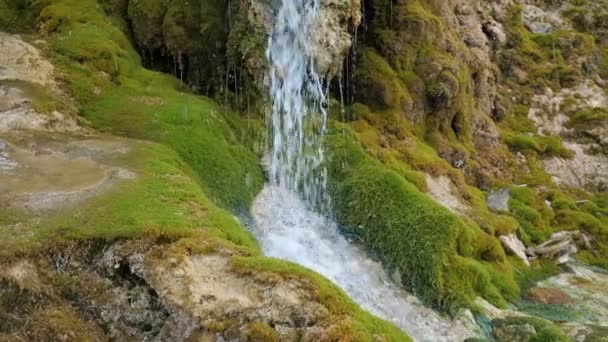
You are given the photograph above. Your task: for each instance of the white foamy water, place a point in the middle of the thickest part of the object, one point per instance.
(289, 231)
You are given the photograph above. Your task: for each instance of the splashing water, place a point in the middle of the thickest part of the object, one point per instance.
(287, 222)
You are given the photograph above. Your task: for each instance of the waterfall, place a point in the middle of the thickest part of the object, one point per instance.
(290, 214)
(298, 112)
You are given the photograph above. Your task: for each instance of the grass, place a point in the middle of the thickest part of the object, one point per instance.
(13, 16)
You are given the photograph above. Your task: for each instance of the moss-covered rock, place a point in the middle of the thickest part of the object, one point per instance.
(444, 260)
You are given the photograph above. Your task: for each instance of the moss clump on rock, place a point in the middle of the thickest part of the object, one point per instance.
(414, 235)
(379, 84)
(542, 331)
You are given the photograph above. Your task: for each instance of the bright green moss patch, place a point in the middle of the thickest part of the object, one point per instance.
(544, 145)
(533, 215)
(353, 324)
(193, 126)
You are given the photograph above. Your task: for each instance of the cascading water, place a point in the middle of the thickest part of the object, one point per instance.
(287, 222)
(298, 119)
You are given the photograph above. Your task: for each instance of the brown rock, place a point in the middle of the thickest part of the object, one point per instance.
(542, 295)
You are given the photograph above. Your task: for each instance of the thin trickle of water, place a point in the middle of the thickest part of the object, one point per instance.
(287, 222)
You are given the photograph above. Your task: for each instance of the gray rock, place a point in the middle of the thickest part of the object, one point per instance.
(6, 164)
(499, 200)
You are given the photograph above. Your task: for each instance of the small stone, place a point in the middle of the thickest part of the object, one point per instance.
(499, 200)
(542, 295)
(515, 246)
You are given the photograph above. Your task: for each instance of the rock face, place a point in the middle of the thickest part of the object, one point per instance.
(331, 34)
(212, 293)
(588, 167)
(21, 61)
(441, 189)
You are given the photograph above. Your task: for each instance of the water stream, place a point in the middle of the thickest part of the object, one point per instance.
(286, 213)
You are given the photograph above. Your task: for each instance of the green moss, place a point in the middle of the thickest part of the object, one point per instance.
(544, 145)
(378, 84)
(413, 234)
(14, 16)
(588, 118)
(539, 270)
(259, 332)
(532, 213)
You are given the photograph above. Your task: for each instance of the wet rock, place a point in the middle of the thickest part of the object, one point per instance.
(330, 37)
(551, 296)
(499, 200)
(49, 172)
(515, 246)
(588, 292)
